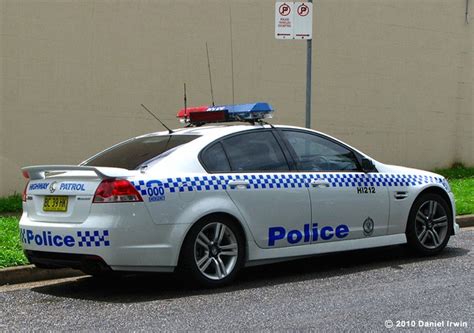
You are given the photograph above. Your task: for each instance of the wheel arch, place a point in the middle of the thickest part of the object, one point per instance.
(442, 193)
(220, 214)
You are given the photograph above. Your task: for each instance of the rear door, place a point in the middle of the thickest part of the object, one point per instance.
(272, 199)
(346, 202)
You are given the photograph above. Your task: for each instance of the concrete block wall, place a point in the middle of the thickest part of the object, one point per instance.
(391, 77)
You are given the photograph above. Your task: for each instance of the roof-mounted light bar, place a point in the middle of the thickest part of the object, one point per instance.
(225, 113)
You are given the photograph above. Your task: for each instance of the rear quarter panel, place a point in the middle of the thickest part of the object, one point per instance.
(186, 200)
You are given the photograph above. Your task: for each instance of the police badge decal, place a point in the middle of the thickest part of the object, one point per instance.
(368, 226)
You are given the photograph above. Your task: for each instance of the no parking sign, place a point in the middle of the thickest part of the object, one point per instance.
(294, 20)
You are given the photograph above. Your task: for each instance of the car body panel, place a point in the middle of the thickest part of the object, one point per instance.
(283, 201)
(126, 238)
(351, 198)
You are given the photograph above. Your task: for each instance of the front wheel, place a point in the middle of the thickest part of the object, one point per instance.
(213, 252)
(429, 224)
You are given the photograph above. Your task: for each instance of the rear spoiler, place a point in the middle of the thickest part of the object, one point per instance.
(40, 171)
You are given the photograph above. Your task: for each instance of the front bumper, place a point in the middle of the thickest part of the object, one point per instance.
(456, 228)
(124, 242)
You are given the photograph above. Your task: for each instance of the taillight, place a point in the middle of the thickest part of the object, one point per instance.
(23, 196)
(116, 190)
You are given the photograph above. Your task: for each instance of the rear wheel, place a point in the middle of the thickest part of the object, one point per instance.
(429, 224)
(213, 252)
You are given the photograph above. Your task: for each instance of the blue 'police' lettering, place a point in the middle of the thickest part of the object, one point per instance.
(69, 241)
(57, 240)
(326, 233)
(82, 238)
(342, 231)
(294, 236)
(29, 236)
(274, 234)
(309, 233)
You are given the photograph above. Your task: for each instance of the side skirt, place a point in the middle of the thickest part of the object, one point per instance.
(256, 254)
(159, 269)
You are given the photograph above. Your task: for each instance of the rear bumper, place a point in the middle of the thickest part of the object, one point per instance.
(84, 262)
(129, 242)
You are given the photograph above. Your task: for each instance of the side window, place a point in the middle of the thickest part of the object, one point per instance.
(214, 159)
(255, 151)
(315, 153)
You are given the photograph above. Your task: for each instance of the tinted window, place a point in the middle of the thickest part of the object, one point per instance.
(214, 159)
(131, 154)
(257, 151)
(314, 153)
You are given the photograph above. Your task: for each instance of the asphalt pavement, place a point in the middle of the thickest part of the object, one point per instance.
(366, 290)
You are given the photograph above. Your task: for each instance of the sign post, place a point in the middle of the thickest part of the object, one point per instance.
(294, 20)
(309, 69)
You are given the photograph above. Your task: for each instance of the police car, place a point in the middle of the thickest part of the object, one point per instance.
(209, 200)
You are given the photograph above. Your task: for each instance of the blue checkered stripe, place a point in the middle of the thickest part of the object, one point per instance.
(299, 180)
(205, 183)
(390, 180)
(140, 187)
(93, 238)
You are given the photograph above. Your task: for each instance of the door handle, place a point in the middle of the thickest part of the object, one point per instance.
(238, 183)
(320, 183)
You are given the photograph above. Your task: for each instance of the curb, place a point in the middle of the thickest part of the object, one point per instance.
(465, 221)
(30, 273)
(10, 214)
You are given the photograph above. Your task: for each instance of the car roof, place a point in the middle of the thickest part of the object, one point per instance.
(207, 130)
(223, 129)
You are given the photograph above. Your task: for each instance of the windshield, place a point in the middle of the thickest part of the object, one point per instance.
(133, 153)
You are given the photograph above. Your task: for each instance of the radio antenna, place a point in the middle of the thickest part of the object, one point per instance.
(169, 130)
(231, 52)
(185, 101)
(210, 77)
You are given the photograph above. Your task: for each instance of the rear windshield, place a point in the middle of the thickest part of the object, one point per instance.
(131, 154)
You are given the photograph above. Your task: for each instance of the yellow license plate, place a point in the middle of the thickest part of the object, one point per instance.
(55, 203)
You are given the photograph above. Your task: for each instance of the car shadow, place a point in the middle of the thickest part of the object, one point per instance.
(135, 288)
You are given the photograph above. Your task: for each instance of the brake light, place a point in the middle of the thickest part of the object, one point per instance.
(23, 196)
(25, 174)
(116, 190)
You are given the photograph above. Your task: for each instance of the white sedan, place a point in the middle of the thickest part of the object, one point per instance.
(209, 200)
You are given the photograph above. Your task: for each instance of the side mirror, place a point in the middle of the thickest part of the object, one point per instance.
(367, 165)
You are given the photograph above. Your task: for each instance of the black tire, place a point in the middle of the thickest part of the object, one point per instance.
(434, 240)
(188, 266)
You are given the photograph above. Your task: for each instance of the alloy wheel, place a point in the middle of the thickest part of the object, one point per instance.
(216, 251)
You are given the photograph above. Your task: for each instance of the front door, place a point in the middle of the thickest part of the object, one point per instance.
(345, 202)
